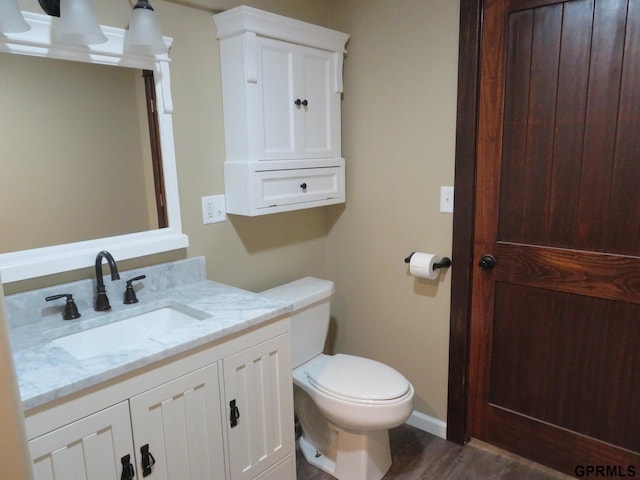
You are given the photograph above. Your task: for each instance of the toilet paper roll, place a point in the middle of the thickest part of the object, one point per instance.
(421, 265)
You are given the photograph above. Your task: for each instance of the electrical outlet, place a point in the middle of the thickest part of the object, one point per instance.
(213, 209)
(446, 199)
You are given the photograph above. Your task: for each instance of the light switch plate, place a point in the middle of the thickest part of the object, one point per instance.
(446, 199)
(213, 209)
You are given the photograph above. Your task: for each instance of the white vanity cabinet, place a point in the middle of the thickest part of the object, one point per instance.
(180, 414)
(91, 448)
(180, 425)
(282, 87)
(258, 434)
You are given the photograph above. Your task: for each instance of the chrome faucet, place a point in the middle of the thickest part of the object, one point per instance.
(102, 301)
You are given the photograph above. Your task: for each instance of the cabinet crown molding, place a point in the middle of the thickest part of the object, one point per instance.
(242, 19)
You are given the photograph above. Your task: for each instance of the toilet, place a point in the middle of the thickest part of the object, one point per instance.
(345, 404)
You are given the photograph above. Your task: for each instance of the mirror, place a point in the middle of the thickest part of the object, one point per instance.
(82, 165)
(68, 175)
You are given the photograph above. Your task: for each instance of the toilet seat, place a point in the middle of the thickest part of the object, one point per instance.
(356, 379)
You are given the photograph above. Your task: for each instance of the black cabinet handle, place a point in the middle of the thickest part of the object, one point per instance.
(303, 186)
(299, 102)
(147, 460)
(127, 469)
(235, 413)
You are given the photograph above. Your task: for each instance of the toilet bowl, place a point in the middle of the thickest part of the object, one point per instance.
(345, 404)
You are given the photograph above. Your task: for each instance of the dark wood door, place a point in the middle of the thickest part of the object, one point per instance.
(555, 325)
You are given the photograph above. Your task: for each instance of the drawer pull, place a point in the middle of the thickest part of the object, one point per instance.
(303, 185)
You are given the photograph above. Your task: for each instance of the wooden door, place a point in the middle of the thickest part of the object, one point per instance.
(555, 325)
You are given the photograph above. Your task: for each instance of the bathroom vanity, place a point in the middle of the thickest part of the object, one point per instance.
(207, 398)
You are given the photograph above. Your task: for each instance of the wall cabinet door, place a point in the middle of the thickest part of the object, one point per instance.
(259, 404)
(318, 122)
(88, 449)
(298, 110)
(181, 423)
(275, 110)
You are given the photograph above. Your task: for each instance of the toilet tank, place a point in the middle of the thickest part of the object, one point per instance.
(311, 299)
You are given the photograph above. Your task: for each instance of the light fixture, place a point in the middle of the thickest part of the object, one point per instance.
(11, 19)
(78, 21)
(144, 35)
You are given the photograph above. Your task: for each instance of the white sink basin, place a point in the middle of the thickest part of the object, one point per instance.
(124, 334)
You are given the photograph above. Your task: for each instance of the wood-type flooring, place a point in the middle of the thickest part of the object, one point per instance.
(420, 455)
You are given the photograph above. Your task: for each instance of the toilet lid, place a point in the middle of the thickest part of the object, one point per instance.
(358, 378)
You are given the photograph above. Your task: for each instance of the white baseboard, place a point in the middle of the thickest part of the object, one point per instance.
(428, 424)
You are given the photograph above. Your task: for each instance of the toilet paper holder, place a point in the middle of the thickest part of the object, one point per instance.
(444, 263)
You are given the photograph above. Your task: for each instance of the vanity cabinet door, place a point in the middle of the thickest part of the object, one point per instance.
(285, 469)
(180, 423)
(88, 449)
(259, 403)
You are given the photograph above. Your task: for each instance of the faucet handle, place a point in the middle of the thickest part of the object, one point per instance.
(129, 292)
(70, 309)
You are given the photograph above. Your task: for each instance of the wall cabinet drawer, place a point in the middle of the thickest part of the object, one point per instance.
(286, 187)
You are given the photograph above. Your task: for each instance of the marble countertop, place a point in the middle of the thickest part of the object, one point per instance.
(47, 372)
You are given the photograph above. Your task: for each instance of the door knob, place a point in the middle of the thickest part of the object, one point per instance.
(487, 262)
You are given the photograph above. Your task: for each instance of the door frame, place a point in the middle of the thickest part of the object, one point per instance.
(463, 220)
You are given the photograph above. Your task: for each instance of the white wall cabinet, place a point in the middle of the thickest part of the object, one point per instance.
(184, 422)
(282, 87)
(294, 102)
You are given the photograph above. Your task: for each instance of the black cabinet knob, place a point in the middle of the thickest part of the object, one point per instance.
(303, 186)
(303, 103)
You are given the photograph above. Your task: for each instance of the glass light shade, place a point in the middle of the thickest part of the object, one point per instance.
(144, 35)
(79, 23)
(11, 19)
